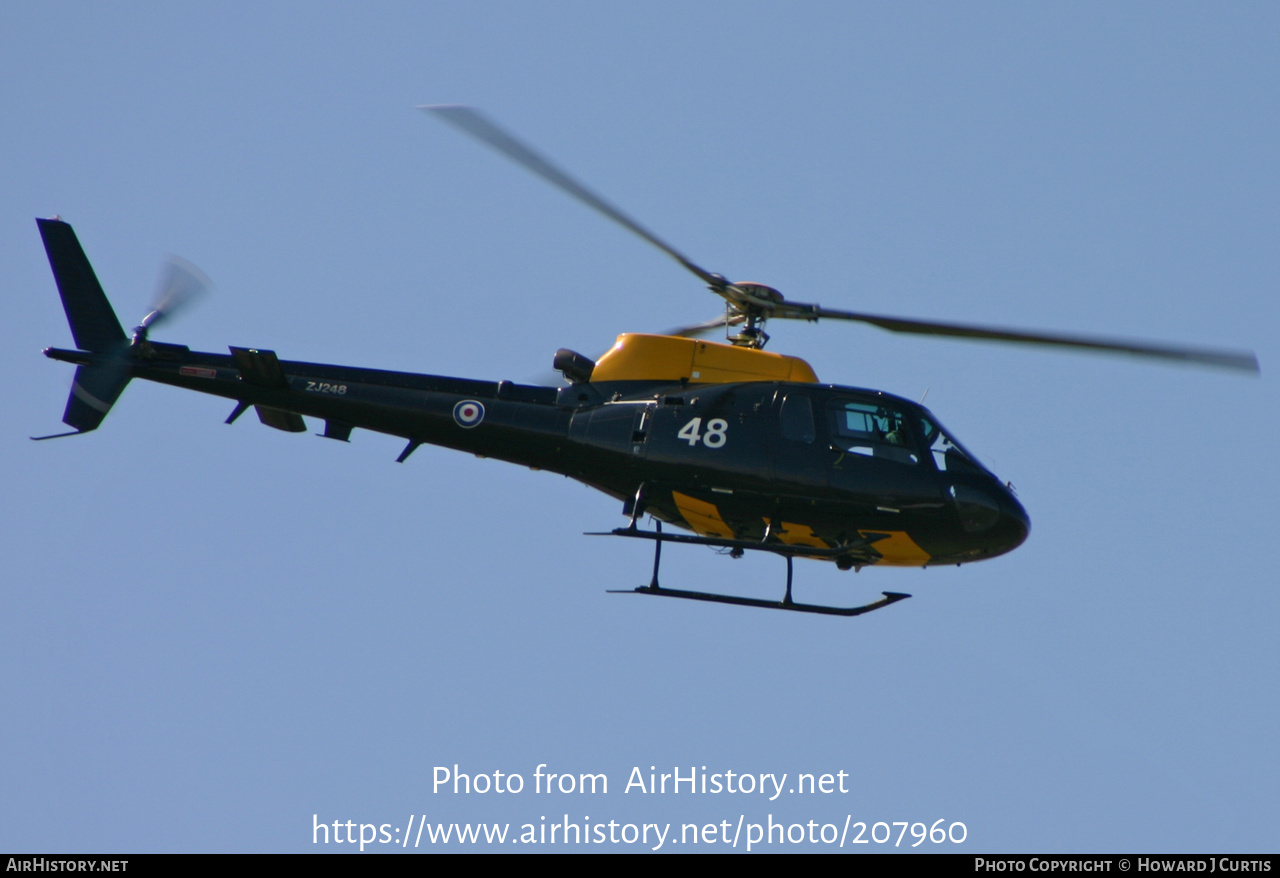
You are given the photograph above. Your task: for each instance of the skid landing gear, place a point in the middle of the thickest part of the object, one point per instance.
(653, 588)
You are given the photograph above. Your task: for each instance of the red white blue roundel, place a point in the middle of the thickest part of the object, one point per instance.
(468, 413)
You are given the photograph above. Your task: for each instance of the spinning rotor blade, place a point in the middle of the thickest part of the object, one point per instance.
(100, 382)
(472, 122)
(1245, 361)
(700, 328)
(180, 284)
(754, 303)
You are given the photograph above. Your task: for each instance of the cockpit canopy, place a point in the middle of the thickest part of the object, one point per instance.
(874, 425)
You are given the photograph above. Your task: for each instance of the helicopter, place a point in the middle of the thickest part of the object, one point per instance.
(741, 448)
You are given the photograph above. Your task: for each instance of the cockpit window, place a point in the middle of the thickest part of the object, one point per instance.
(948, 454)
(873, 430)
(797, 418)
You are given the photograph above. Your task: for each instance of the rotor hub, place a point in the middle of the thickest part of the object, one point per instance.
(758, 294)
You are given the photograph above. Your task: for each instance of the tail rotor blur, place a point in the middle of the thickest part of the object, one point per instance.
(180, 284)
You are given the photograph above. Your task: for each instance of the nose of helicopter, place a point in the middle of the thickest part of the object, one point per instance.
(1014, 524)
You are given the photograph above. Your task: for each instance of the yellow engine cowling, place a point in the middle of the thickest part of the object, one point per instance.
(639, 357)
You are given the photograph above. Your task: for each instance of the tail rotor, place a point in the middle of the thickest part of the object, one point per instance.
(180, 283)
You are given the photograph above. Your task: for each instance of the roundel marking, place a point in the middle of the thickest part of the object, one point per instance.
(468, 413)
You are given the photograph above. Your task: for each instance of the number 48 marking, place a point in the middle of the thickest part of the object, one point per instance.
(715, 437)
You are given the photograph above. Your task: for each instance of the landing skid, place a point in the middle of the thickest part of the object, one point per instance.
(653, 588)
(890, 597)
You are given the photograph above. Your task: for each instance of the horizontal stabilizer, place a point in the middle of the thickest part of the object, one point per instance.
(263, 369)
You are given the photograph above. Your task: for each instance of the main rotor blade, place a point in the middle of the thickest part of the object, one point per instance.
(472, 122)
(1245, 361)
(707, 326)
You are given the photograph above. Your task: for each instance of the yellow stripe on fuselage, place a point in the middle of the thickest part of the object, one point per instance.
(702, 516)
(797, 535)
(895, 550)
(898, 549)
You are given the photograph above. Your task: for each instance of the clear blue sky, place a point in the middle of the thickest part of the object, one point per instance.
(212, 633)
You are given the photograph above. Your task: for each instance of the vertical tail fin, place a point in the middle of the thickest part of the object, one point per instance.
(93, 392)
(94, 326)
